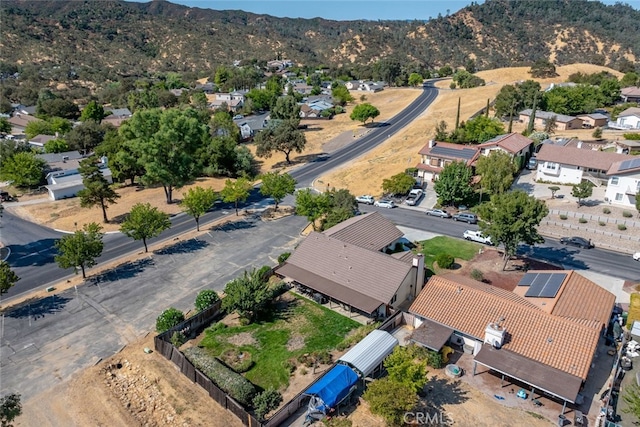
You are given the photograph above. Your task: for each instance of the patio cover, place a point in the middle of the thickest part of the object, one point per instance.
(333, 386)
(550, 380)
(431, 335)
(370, 352)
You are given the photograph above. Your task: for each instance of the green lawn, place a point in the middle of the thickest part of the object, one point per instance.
(459, 249)
(321, 329)
(634, 309)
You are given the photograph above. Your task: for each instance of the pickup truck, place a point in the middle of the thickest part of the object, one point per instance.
(477, 236)
(414, 197)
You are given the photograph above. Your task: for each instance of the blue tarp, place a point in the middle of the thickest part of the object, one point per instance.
(334, 385)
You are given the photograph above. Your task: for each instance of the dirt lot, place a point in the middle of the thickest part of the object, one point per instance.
(365, 175)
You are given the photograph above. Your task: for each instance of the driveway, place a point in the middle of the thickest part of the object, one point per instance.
(43, 343)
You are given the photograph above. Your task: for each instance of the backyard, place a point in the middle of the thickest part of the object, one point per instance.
(297, 331)
(459, 249)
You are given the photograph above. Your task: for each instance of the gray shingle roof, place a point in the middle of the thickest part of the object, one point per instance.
(545, 115)
(370, 231)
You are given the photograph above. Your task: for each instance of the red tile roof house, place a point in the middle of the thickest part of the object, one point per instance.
(347, 264)
(514, 144)
(436, 155)
(570, 165)
(543, 333)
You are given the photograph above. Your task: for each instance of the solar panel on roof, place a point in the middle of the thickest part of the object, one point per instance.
(630, 164)
(527, 279)
(553, 286)
(465, 153)
(535, 288)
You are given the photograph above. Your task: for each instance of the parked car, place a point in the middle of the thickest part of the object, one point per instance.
(577, 241)
(384, 203)
(366, 199)
(636, 256)
(466, 217)
(5, 197)
(414, 197)
(438, 212)
(238, 117)
(477, 236)
(532, 164)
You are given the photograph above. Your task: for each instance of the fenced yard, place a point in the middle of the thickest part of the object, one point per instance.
(297, 331)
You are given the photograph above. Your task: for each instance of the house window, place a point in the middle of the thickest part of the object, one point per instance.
(551, 166)
(614, 180)
(394, 299)
(618, 197)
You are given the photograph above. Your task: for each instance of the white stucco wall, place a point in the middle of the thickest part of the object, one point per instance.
(563, 174)
(616, 194)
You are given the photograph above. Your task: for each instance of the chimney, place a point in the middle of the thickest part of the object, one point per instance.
(431, 143)
(579, 144)
(619, 150)
(418, 263)
(494, 335)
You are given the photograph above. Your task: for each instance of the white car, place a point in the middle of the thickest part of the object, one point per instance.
(366, 199)
(384, 204)
(477, 236)
(636, 256)
(414, 197)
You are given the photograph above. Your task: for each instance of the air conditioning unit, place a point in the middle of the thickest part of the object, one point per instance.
(457, 340)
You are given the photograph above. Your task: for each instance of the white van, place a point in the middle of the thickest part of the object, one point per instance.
(477, 236)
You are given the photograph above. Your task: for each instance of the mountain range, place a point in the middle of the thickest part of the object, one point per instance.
(127, 38)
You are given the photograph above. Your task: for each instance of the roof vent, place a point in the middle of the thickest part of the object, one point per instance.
(549, 340)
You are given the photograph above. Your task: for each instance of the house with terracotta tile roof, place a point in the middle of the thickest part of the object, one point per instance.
(570, 165)
(435, 155)
(514, 144)
(348, 265)
(543, 333)
(563, 122)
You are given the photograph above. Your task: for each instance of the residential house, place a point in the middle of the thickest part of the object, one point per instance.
(234, 101)
(563, 84)
(207, 87)
(302, 88)
(314, 109)
(352, 85)
(630, 94)
(347, 264)
(279, 64)
(19, 122)
(628, 119)
(251, 125)
(624, 182)
(28, 110)
(563, 122)
(514, 144)
(116, 116)
(436, 155)
(570, 165)
(363, 85)
(39, 141)
(63, 177)
(593, 120)
(543, 333)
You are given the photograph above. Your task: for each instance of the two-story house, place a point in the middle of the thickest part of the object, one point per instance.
(234, 101)
(624, 182)
(514, 144)
(436, 155)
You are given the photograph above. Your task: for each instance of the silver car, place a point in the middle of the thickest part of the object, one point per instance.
(384, 203)
(438, 212)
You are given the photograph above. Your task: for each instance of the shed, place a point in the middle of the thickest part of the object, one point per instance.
(331, 389)
(369, 353)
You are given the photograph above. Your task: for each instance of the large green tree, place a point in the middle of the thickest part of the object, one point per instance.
(398, 184)
(341, 94)
(286, 108)
(277, 186)
(93, 111)
(312, 205)
(582, 191)
(391, 400)
(248, 295)
(80, 249)
(453, 185)
(5, 126)
(166, 143)
(97, 190)
(363, 112)
(56, 146)
(482, 128)
(122, 160)
(87, 136)
(24, 168)
(236, 191)
(496, 171)
(543, 68)
(144, 222)
(284, 137)
(404, 367)
(7, 277)
(415, 79)
(512, 218)
(197, 201)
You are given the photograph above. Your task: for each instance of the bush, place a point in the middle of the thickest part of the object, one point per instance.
(606, 211)
(434, 359)
(283, 257)
(178, 338)
(206, 298)
(582, 220)
(265, 272)
(602, 223)
(477, 275)
(563, 216)
(265, 402)
(279, 288)
(230, 382)
(627, 214)
(337, 422)
(168, 319)
(290, 365)
(239, 361)
(445, 261)
(622, 227)
(390, 399)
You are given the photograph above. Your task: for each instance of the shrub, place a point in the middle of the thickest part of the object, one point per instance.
(434, 359)
(239, 361)
(563, 216)
(322, 357)
(265, 402)
(168, 319)
(477, 275)
(582, 220)
(622, 227)
(206, 298)
(283, 257)
(290, 365)
(178, 338)
(279, 288)
(445, 261)
(337, 422)
(403, 366)
(265, 272)
(627, 214)
(606, 211)
(230, 382)
(390, 399)
(602, 223)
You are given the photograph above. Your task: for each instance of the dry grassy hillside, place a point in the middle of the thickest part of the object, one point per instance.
(365, 175)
